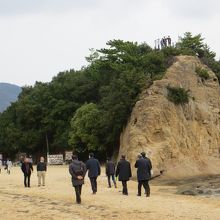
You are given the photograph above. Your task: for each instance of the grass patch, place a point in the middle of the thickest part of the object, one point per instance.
(178, 95)
(202, 73)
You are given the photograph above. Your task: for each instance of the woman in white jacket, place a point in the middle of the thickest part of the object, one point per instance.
(9, 165)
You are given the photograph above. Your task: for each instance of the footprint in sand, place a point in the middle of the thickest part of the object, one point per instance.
(23, 211)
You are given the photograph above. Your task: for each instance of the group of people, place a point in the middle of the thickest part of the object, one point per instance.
(78, 170)
(165, 42)
(27, 169)
(122, 171)
(6, 165)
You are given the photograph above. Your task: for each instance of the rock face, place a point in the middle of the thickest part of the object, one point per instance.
(183, 140)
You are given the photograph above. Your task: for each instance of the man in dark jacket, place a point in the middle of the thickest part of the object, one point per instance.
(41, 171)
(77, 170)
(110, 172)
(143, 154)
(94, 170)
(144, 166)
(124, 172)
(27, 169)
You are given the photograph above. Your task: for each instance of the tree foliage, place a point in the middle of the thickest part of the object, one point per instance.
(87, 109)
(85, 128)
(194, 45)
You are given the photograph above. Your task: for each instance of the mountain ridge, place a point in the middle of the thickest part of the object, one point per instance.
(8, 94)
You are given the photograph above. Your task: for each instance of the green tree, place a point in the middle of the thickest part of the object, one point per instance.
(191, 45)
(111, 83)
(85, 129)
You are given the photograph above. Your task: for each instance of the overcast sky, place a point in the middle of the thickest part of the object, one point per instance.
(39, 38)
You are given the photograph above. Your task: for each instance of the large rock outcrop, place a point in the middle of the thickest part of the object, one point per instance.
(183, 140)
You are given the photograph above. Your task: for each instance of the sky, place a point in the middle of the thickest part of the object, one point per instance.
(40, 38)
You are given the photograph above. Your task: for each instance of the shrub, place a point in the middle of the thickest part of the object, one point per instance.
(178, 95)
(203, 73)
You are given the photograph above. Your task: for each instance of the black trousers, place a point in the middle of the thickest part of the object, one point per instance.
(125, 188)
(93, 181)
(113, 179)
(27, 178)
(146, 186)
(78, 190)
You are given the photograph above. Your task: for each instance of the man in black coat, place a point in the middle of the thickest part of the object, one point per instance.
(77, 170)
(94, 170)
(124, 172)
(110, 172)
(27, 169)
(144, 166)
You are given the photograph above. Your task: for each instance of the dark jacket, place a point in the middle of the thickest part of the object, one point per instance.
(77, 168)
(93, 166)
(27, 168)
(110, 168)
(144, 167)
(146, 158)
(41, 166)
(123, 170)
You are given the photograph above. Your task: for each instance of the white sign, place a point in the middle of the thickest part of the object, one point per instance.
(55, 159)
(68, 155)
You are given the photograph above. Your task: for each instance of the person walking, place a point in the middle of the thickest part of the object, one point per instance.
(143, 154)
(123, 171)
(94, 170)
(9, 166)
(77, 170)
(144, 167)
(27, 169)
(110, 172)
(1, 165)
(41, 172)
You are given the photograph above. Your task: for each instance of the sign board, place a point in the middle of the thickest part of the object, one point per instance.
(55, 159)
(68, 155)
(0, 156)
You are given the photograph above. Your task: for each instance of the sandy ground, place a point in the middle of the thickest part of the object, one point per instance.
(56, 201)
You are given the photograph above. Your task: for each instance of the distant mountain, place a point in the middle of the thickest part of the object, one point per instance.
(8, 93)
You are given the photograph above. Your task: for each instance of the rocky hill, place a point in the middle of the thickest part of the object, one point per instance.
(8, 94)
(183, 140)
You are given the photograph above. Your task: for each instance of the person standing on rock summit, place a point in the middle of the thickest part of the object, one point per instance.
(77, 170)
(144, 167)
(123, 170)
(94, 170)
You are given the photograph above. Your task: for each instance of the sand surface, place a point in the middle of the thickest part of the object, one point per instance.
(56, 201)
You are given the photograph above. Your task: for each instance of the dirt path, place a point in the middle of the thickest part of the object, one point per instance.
(56, 201)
